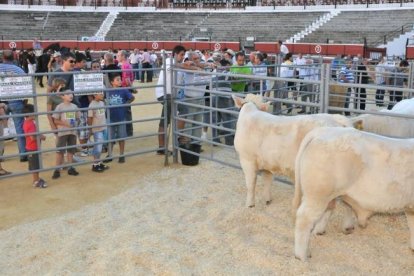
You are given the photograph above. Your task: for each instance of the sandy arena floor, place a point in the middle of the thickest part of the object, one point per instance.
(144, 219)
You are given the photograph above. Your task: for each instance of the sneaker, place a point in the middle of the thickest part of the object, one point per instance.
(97, 168)
(76, 159)
(104, 167)
(40, 184)
(84, 153)
(162, 152)
(121, 159)
(24, 159)
(107, 159)
(56, 174)
(72, 171)
(204, 136)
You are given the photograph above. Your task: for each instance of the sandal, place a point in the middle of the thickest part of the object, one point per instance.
(4, 172)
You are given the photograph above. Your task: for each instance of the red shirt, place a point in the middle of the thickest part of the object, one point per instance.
(29, 127)
(127, 76)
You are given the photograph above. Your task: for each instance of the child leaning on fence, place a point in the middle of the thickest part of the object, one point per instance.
(97, 119)
(118, 114)
(30, 129)
(66, 117)
(54, 99)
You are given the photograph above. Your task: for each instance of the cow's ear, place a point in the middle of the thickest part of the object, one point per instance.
(358, 124)
(265, 106)
(238, 102)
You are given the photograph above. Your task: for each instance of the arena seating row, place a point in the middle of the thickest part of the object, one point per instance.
(354, 26)
(21, 25)
(328, 2)
(198, 3)
(58, 25)
(347, 27)
(72, 25)
(154, 26)
(261, 26)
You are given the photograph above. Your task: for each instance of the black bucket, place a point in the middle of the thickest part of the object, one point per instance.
(187, 158)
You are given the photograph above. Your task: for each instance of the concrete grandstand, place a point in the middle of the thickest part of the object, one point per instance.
(367, 23)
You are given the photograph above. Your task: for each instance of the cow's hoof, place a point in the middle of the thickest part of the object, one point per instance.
(321, 233)
(303, 259)
(363, 225)
(300, 259)
(349, 230)
(268, 202)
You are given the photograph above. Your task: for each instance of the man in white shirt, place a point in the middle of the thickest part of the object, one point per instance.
(176, 60)
(177, 57)
(146, 66)
(153, 59)
(286, 71)
(133, 59)
(311, 72)
(283, 49)
(300, 62)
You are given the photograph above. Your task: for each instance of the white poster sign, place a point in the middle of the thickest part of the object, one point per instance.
(86, 84)
(15, 87)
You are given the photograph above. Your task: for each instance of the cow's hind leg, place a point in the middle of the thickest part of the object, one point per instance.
(409, 213)
(320, 227)
(307, 216)
(348, 224)
(267, 180)
(250, 174)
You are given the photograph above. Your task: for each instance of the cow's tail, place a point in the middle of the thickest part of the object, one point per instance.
(297, 199)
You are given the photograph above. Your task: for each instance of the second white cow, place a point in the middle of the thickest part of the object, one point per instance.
(371, 173)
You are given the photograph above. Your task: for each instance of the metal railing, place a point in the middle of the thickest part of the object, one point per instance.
(38, 98)
(319, 92)
(326, 95)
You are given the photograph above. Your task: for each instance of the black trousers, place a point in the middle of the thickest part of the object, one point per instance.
(148, 72)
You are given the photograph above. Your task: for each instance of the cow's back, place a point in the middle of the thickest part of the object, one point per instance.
(372, 169)
(272, 142)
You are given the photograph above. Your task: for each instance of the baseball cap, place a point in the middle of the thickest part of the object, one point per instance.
(230, 52)
(56, 54)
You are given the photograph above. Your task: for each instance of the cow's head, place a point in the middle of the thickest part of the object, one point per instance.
(349, 122)
(256, 99)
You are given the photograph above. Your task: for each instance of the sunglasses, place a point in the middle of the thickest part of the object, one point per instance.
(72, 61)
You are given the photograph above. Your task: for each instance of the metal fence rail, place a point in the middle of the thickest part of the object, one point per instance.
(323, 98)
(189, 116)
(38, 98)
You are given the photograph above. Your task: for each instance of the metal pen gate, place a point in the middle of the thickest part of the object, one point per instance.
(217, 146)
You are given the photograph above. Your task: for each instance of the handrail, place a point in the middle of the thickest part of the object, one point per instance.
(400, 30)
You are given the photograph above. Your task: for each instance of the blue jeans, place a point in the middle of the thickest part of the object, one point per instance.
(223, 118)
(98, 137)
(16, 107)
(136, 73)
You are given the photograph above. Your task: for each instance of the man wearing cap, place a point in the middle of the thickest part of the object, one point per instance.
(229, 55)
(55, 62)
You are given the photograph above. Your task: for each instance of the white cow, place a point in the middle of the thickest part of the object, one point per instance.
(404, 107)
(390, 126)
(385, 125)
(371, 173)
(270, 143)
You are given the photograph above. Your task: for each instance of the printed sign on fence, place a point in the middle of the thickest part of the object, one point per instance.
(16, 87)
(87, 84)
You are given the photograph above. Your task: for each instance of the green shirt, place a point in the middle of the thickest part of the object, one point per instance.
(244, 70)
